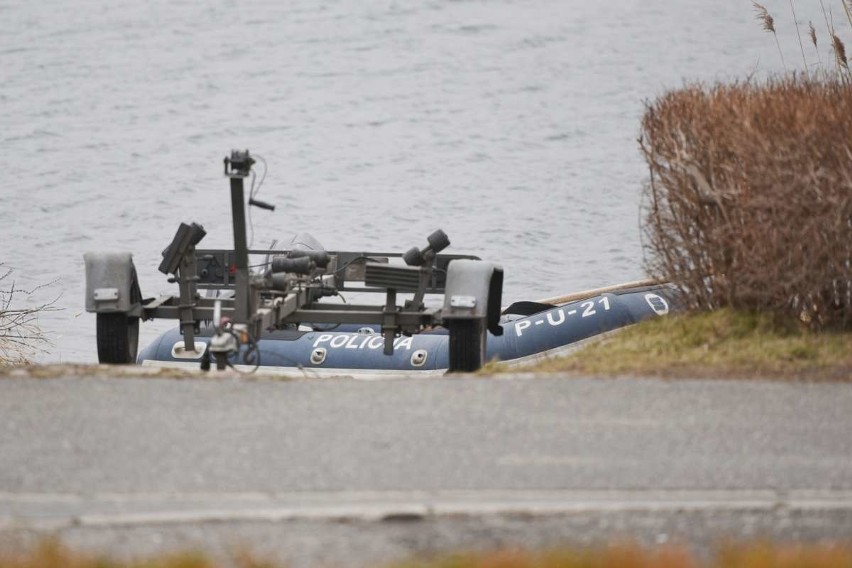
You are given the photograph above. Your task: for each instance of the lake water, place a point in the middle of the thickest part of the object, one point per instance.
(512, 125)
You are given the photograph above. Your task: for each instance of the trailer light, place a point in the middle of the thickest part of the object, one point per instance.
(462, 302)
(106, 294)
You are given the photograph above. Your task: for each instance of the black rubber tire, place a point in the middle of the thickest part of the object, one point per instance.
(438, 241)
(118, 338)
(205, 359)
(467, 345)
(413, 257)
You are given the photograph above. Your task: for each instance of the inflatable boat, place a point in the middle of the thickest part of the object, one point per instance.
(531, 331)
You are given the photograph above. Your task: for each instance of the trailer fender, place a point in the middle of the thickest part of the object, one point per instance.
(111, 284)
(472, 300)
(474, 291)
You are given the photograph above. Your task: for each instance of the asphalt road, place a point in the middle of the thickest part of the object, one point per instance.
(359, 472)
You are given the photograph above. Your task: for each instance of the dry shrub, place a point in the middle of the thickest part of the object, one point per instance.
(749, 203)
(20, 335)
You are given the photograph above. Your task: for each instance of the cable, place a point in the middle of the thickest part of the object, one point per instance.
(335, 326)
(247, 355)
(255, 348)
(254, 191)
(251, 223)
(253, 352)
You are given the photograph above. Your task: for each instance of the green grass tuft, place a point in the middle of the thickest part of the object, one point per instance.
(724, 344)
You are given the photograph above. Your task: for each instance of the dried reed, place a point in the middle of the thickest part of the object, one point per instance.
(837, 45)
(847, 7)
(839, 50)
(813, 36)
(768, 23)
(799, 35)
(839, 53)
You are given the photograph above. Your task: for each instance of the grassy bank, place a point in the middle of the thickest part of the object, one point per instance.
(720, 344)
(53, 555)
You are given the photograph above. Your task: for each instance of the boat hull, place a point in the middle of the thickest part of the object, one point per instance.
(525, 337)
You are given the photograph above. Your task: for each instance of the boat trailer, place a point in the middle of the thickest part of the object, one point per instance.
(242, 301)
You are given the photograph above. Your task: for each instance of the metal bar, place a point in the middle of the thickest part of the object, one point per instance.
(390, 321)
(157, 302)
(345, 307)
(168, 307)
(367, 317)
(186, 276)
(376, 317)
(369, 290)
(243, 302)
(173, 312)
(274, 315)
(425, 284)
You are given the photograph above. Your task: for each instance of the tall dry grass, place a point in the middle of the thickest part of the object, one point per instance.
(767, 22)
(749, 203)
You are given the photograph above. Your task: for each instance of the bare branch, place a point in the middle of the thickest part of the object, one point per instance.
(21, 338)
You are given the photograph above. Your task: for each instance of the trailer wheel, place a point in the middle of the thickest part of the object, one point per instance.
(118, 338)
(467, 345)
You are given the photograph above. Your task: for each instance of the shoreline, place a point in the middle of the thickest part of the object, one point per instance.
(124, 372)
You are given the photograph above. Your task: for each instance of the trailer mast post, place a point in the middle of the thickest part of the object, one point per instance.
(237, 168)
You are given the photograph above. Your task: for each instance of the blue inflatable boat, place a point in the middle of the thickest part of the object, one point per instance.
(531, 331)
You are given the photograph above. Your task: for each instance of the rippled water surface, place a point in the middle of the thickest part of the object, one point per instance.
(512, 125)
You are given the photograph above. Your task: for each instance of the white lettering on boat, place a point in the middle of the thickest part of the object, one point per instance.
(558, 317)
(550, 319)
(359, 341)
